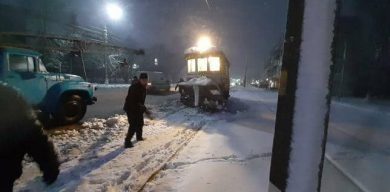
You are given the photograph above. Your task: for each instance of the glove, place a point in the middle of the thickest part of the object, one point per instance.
(50, 177)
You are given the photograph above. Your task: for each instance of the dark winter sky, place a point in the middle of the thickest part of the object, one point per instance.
(242, 28)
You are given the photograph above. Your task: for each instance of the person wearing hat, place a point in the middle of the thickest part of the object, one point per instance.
(135, 108)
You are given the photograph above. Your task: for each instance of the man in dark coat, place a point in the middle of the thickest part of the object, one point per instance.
(21, 133)
(135, 108)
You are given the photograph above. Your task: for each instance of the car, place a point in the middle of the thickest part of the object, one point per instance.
(58, 96)
(157, 82)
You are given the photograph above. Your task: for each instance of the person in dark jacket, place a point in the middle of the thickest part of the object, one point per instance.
(20, 134)
(135, 108)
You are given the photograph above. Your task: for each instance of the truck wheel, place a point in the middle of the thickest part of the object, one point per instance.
(72, 109)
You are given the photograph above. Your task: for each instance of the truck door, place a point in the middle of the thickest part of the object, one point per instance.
(22, 74)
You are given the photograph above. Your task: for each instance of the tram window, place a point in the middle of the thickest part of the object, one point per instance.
(215, 63)
(191, 66)
(202, 64)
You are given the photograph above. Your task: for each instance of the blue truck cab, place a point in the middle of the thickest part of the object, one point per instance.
(62, 97)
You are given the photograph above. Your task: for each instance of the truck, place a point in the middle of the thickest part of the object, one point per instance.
(61, 97)
(207, 82)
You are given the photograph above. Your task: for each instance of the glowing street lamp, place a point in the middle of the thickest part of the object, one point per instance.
(155, 61)
(114, 12)
(204, 43)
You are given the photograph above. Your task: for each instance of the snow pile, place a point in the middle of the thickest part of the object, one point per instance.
(203, 80)
(108, 86)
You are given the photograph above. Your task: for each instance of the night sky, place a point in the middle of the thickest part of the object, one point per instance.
(242, 28)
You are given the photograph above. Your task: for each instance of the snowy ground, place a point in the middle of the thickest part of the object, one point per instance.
(189, 150)
(230, 154)
(93, 157)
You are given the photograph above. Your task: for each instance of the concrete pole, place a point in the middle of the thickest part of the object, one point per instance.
(304, 100)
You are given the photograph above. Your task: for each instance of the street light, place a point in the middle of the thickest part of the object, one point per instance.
(114, 12)
(155, 61)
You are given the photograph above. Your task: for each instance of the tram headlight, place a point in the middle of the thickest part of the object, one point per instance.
(204, 44)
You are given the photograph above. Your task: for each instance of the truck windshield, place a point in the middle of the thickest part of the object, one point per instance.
(42, 67)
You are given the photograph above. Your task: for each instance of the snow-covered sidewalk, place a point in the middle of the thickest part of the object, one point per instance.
(93, 157)
(184, 148)
(231, 154)
(189, 150)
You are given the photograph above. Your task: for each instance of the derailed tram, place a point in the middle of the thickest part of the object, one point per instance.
(207, 82)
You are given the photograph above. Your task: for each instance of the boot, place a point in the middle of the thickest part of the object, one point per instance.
(140, 139)
(128, 144)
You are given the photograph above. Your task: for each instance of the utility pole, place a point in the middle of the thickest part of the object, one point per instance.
(246, 70)
(106, 81)
(300, 137)
(343, 69)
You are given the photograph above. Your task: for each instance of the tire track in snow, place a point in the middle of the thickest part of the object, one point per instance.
(159, 150)
(231, 159)
(175, 154)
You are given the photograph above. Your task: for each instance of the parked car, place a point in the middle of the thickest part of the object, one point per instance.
(63, 97)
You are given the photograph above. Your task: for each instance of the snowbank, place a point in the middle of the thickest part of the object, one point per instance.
(110, 86)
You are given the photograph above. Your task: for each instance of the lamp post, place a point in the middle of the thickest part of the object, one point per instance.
(115, 13)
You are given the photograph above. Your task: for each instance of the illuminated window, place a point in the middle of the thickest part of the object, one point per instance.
(202, 64)
(215, 63)
(191, 66)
